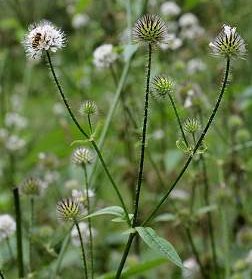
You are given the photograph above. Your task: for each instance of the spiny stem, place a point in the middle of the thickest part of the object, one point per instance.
(89, 224)
(82, 251)
(87, 137)
(144, 132)
(187, 163)
(178, 119)
(19, 233)
(141, 166)
(195, 252)
(90, 123)
(209, 216)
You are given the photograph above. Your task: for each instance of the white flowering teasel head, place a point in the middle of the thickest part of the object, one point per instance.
(43, 36)
(68, 210)
(228, 43)
(82, 156)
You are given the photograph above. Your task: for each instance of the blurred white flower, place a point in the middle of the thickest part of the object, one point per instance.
(84, 233)
(14, 120)
(80, 20)
(14, 143)
(72, 184)
(193, 32)
(179, 194)
(158, 134)
(81, 196)
(43, 36)
(169, 8)
(189, 97)
(187, 20)
(104, 56)
(228, 43)
(7, 226)
(249, 257)
(173, 43)
(195, 65)
(191, 268)
(3, 135)
(59, 109)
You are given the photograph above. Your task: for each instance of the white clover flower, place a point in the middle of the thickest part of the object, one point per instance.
(104, 56)
(80, 20)
(84, 233)
(188, 19)
(170, 8)
(43, 36)
(14, 143)
(14, 120)
(191, 268)
(228, 43)
(7, 226)
(195, 65)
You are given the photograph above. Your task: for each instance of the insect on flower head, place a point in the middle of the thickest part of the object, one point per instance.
(228, 43)
(43, 36)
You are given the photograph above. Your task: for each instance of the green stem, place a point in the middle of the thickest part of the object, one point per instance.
(19, 233)
(125, 255)
(30, 231)
(82, 251)
(1, 275)
(61, 254)
(187, 163)
(195, 252)
(86, 136)
(209, 216)
(90, 124)
(9, 247)
(89, 224)
(144, 132)
(178, 119)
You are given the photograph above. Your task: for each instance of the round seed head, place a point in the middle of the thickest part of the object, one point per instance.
(150, 29)
(88, 108)
(82, 156)
(162, 86)
(228, 43)
(191, 125)
(32, 186)
(68, 209)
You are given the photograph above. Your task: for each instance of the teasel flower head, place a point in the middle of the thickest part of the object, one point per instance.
(82, 156)
(228, 43)
(88, 108)
(43, 36)
(104, 56)
(150, 29)
(32, 186)
(68, 209)
(162, 87)
(191, 125)
(7, 226)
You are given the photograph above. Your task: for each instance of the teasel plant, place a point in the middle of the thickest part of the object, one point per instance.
(83, 157)
(44, 38)
(69, 210)
(229, 45)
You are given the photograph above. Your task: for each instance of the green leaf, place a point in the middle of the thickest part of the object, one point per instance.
(159, 244)
(128, 51)
(136, 269)
(111, 210)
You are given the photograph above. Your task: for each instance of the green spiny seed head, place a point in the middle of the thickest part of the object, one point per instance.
(68, 209)
(150, 29)
(82, 156)
(31, 186)
(191, 125)
(162, 86)
(89, 107)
